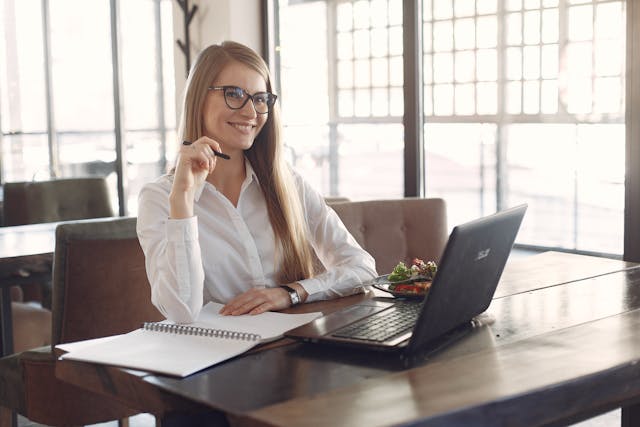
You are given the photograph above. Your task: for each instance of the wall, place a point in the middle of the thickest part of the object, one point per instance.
(214, 22)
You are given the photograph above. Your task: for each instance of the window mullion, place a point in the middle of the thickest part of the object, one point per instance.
(54, 154)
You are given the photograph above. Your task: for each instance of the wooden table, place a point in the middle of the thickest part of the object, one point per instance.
(565, 346)
(22, 247)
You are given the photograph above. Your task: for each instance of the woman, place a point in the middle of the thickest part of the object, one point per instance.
(242, 230)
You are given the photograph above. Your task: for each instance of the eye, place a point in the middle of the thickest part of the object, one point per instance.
(234, 92)
(262, 98)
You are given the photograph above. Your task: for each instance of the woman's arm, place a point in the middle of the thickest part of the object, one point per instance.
(172, 255)
(347, 265)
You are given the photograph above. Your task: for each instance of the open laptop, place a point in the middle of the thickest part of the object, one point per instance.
(467, 277)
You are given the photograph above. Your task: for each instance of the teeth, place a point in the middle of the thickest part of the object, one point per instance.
(243, 128)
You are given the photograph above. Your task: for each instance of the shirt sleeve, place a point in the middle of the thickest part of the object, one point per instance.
(347, 265)
(172, 256)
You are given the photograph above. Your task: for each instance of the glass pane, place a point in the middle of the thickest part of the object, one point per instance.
(25, 158)
(464, 7)
(532, 27)
(309, 153)
(464, 34)
(345, 45)
(465, 66)
(487, 98)
(531, 4)
(443, 100)
(531, 97)
(395, 12)
(22, 80)
(442, 9)
(345, 103)
(531, 62)
(609, 21)
(428, 100)
(579, 60)
(600, 186)
(486, 32)
(361, 14)
(460, 167)
(579, 96)
(80, 80)
(362, 102)
(549, 95)
(514, 98)
(514, 63)
(609, 60)
(396, 102)
(514, 5)
(514, 28)
(443, 67)
(361, 45)
(443, 36)
(378, 13)
(550, 27)
(487, 65)
(465, 99)
(380, 72)
(428, 69)
(379, 42)
(145, 158)
(396, 71)
(580, 23)
(87, 154)
(345, 74)
(545, 182)
(395, 40)
(550, 61)
(371, 161)
(608, 95)
(344, 16)
(140, 88)
(362, 73)
(379, 102)
(486, 6)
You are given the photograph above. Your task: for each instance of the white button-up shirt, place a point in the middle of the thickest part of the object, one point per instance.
(224, 250)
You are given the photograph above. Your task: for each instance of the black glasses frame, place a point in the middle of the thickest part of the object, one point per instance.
(271, 98)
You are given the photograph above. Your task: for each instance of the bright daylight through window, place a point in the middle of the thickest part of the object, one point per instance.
(523, 102)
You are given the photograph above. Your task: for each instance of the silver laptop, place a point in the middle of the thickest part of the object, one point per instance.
(467, 277)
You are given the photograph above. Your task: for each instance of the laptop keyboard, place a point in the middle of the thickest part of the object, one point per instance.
(383, 325)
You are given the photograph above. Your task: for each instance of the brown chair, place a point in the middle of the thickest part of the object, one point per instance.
(56, 200)
(100, 288)
(397, 230)
(48, 201)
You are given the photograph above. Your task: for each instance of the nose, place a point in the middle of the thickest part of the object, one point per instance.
(249, 110)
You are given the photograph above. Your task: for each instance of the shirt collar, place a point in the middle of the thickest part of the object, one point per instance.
(250, 176)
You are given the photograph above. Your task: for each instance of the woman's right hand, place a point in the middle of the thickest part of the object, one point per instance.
(195, 162)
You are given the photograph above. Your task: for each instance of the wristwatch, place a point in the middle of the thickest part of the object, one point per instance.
(293, 294)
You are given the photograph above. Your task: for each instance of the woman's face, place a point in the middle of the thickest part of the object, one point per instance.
(234, 129)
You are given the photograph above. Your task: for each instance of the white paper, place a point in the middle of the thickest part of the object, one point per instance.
(182, 355)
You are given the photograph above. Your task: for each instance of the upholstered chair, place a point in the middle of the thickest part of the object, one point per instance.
(56, 200)
(397, 230)
(100, 288)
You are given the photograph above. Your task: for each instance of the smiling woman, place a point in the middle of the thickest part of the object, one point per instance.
(213, 229)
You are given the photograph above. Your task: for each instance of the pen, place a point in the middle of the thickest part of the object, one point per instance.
(217, 153)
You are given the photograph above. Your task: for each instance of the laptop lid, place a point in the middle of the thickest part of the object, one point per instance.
(468, 274)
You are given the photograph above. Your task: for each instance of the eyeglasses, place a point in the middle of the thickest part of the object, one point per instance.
(236, 98)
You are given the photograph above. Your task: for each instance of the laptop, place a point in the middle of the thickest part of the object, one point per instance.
(463, 287)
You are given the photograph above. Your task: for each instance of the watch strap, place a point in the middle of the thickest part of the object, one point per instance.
(293, 294)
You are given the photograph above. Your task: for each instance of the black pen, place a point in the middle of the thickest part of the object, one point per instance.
(217, 153)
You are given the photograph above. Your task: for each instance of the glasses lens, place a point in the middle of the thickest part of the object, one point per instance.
(235, 97)
(262, 101)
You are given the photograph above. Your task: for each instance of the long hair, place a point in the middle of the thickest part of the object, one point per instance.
(293, 252)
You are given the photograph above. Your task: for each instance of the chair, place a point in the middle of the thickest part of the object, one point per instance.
(100, 288)
(397, 230)
(56, 200)
(48, 201)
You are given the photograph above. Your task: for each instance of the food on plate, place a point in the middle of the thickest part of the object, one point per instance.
(418, 269)
(415, 279)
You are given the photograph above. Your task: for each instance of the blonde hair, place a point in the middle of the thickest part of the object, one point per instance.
(293, 252)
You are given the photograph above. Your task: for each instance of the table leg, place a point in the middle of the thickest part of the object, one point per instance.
(6, 327)
(630, 416)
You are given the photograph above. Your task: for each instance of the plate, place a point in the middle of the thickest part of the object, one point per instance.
(383, 284)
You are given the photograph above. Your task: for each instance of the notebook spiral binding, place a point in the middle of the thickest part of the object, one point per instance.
(196, 330)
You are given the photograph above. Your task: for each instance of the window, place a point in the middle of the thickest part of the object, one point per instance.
(57, 98)
(523, 102)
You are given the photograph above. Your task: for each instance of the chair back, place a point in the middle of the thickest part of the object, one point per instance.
(56, 200)
(397, 230)
(100, 285)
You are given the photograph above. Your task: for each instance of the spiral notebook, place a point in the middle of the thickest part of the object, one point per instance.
(180, 350)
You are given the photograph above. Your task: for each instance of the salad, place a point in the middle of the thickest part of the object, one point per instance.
(415, 279)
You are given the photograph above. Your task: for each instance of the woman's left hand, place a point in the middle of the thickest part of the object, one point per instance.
(256, 301)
